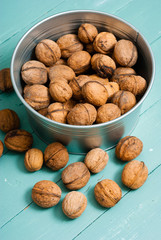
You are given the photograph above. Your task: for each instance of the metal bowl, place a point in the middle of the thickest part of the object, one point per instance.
(79, 139)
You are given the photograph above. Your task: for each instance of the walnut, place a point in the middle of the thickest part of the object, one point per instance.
(18, 140)
(75, 175)
(121, 72)
(124, 100)
(103, 65)
(128, 148)
(9, 120)
(57, 112)
(33, 159)
(134, 174)
(46, 194)
(61, 71)
(56, 156)
(95, 93)
(34, 72)
(60, 91)
(61, 61)
(87, 33)
(112, 88)
(69, 44)
(79, 61)
(1, 148)
(76, 85)
(5, 80)
(89, 48)
(48, 52)
(101, 80)
(69, 105)
(107, 112)
(58, 79)
(96, 160)
(74, 204)
(125, 53)
(107, 193)
(43, 111)
(82, 114)
(37, 96)
(104, 42)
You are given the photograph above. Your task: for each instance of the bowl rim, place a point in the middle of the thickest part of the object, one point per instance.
(98, 125)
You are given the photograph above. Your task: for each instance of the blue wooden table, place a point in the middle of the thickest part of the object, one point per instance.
(138, 214)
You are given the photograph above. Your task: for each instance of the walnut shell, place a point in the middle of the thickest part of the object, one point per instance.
(1, 148)
(124, 100)
(87, 33)
(103, 65)
(104, 42)
(82, 114)
(89, 48)
(122, 71)
(107, 193)
(48, 52)
(9, 120)
(75, 175)
(128, 148)
(125, 53)
(95, 93)
(134, 174)
(69, 44)
(69, 105)
(112, 88)
(34, 72)
(96, 160)
(37, 96)
(57, 112)
(58, 79)
(43, 111)
(56, 156)
(107, 112)
(74, 204)
(46, 194)
(5, 80)
(62, 71)
(60, 92)
(33, 159)
(79, 61)
(18, 140)
(101, 80)
(61, 61)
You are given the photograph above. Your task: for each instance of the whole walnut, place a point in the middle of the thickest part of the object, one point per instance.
(134, 174)
(124, 100)
(128, 148)
(122, 72)
(9, 120)
(107, 112)
(74, 204)
(48, 52)
(5, 80)
(125, 53)
(34, 72)
(95, 93)
(57, 112)
(75, 175)
(107, 193)
(60, 92)
(33, 159)
(18, 140)
(46, 194)
(99, 79)
(43, 111)
(1, 148)
(112, 88)
(37, 96)
(96, 160)
(56, 156)
(104, 42)
(62, 71)
(87, 33)
(82, 114)
(103, 65)
(76, 85)
(69, 44)
(79, 61)
(134, 84)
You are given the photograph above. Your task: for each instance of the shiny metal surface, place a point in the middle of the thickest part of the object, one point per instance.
(79, 139)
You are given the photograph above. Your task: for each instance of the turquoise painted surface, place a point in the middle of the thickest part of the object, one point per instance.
(138, 214)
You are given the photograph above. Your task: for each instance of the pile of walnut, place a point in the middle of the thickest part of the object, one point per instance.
(83, 79)
(76, 175)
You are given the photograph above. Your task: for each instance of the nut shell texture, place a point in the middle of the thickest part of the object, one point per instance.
(74, 204)
(134, 174)
(46, 193)
(5, 80)
(104, 42)
(61, 71)
(57, 112)
(60, 91)
(107, 112)
(87, 33)
(33, 159)
(9, 120)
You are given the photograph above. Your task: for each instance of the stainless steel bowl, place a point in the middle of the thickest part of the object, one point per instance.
(79, 139)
